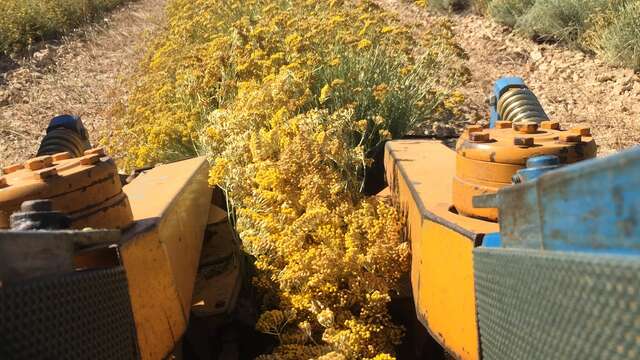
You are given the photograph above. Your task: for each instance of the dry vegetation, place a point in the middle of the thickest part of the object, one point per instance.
(608, 28)
(290, 100)
(23, 22)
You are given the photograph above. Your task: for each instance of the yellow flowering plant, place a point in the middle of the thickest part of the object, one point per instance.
(289, 100)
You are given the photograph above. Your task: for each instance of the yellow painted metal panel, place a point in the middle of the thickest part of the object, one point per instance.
(170, 205)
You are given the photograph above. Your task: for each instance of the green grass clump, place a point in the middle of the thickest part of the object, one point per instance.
(620, 42)
(23, 22)
(508, 12)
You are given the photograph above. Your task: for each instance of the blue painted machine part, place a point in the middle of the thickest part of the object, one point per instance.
(70, 122)
(590, 206)
(536, 166)
(503, 84)
(492, 241)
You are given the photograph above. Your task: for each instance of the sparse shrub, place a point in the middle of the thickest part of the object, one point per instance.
(620, 42)
(25, 21)
(560, 20)
(509, 12)
(450, 5)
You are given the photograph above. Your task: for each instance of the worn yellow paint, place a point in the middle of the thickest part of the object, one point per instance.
(420, 174)
(160, 253)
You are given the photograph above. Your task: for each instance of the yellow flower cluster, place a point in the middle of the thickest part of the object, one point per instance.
(289, 100)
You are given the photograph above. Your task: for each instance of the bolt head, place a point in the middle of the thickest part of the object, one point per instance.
(504, 124)
(90, 159)
(62, 156)
(523, 141)
(3, 182)
(38, 163)
(526, 127)
(98, 151)
(581, 130)
(474, 128)
(550, 125)
(47, 173)
(37, 205)
(12, 168)
(480, 137)
(570, 138)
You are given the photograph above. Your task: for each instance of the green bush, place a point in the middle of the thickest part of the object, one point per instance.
(449, 5)
(25, 21)
(620, 42)
(560, 20)
(508, 12)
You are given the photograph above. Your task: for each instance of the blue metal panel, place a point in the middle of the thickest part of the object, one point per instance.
(591, 206)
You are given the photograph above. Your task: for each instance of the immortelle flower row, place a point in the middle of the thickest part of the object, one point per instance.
(290, 100)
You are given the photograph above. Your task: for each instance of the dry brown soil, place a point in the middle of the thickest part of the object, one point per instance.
(79, 74)
(573, 87)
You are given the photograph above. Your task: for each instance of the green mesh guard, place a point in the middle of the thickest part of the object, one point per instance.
(549, 305)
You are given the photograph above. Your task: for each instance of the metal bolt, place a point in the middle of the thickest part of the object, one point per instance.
(90, 159)
(36, 205)
(503, 124)
(570, 138)
(38, 163)
(62, 156)
(526, 127)
(3, 182)
(12, 168)
(551, 125)
(480, 137)
(582, 131)
(474, 128)
(47, 173)
(38, 215)
(523, 141)
(98, 151)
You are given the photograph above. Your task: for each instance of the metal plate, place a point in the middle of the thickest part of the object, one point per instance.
(85, 315)
(550, 305)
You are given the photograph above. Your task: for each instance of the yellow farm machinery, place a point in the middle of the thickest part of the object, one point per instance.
(524, 246)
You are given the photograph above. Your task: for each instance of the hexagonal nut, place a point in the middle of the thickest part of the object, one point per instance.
(504, 124)
(12, 168)
(97, 151)
(526, 127)
(90, 159)
(38, 163)
(47, 173)
(523, 141)
(570, 138)
(550, 125)
(474, 128)
(581, 130)
(62, 156)
(480, 137)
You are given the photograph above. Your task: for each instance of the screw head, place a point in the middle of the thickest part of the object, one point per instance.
(551, 125)
(38, 163)
(12, 168)
(480, 137)
(90, 159)
(62, 156)
(581, 130)
(523, 141)
(97, 151)
(504, 124)
(570, 138)
(526, 127)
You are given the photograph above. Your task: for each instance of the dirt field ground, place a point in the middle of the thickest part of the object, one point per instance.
(573, 87)
(79, 74)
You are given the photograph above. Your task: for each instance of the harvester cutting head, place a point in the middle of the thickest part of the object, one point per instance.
(521, 142)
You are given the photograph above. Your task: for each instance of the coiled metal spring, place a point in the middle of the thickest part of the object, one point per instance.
(520, 105)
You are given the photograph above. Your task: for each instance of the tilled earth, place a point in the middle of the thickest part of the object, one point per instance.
(573, 87)
(79, 74)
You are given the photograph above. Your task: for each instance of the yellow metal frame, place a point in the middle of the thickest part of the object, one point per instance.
(160, 253)
(420, 174)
